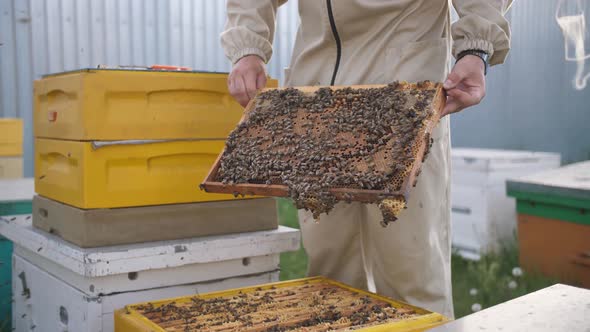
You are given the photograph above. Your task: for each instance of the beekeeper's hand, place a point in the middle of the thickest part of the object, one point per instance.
(247, 76)
(465, 85)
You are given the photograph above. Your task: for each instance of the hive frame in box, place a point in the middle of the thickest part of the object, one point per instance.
(129, 319)
(211, 185)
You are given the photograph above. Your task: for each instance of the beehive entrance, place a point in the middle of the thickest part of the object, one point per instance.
(332, 144)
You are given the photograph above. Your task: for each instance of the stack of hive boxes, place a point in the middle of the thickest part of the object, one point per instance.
(11, 148)
(119, 217)
(553, 208)
(119, 155)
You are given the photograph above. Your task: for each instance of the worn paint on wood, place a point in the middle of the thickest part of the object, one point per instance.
(154, 278)
(52, 300)
(96, 262)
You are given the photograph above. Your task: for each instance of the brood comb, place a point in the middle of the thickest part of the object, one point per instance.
(321, 145)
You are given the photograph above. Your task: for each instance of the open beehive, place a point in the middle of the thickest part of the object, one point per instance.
(312, 304)
(320, 145)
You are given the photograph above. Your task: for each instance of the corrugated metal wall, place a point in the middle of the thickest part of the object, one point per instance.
(38, 37)
(530, 102)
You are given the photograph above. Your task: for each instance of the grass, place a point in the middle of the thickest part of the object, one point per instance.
(293, 264)
(486, 282)
(492, 280)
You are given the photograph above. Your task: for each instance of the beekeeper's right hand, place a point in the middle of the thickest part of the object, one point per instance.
(247, 76)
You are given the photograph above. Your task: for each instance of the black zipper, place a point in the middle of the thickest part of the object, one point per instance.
(337, 38)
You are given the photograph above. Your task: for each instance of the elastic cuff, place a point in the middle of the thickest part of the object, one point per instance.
(248, 51)
(473, 44)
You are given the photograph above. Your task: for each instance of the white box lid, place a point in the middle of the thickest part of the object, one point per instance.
(555, 308)
(493, 159)
(572, 181)
(102, 261)
(17, 190)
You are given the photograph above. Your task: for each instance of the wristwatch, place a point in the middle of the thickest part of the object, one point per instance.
(478, 53)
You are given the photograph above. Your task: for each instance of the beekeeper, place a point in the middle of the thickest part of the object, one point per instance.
(375, 42)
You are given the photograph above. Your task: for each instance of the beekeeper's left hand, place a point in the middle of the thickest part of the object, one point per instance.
(466, 85)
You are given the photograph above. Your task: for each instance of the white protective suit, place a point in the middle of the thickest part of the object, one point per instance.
(346, 42)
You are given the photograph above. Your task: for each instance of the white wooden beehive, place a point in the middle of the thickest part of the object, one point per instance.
(483, 216)
(61, 287)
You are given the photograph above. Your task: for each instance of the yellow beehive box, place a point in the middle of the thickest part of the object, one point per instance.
(11, 137)
(106, 104)
(115, 174)
(11, 167)
(277, 306)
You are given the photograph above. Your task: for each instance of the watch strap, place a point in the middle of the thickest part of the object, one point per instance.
(478, 53)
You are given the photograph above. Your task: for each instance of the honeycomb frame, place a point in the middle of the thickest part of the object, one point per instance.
(420, 146)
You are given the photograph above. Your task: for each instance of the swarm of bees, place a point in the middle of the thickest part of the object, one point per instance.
(359, 139)
(308, 307)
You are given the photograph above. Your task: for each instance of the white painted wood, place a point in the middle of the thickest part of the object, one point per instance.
(153, 278)
(488, 166)
(555, 308)
(576, 176)
(103, 261)
(469, 213)
(572, 180)
(502, 217)
(48, 294)
(491, 159)
(486, 177)
(483, 216)
(15, 190)
(41, 311)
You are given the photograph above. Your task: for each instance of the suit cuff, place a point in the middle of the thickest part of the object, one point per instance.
(495, 55)
(247, 51)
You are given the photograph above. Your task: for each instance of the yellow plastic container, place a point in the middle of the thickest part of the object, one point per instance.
(123, 174)
(129, 319)
(107, 104)
(11, 137)
(11, 167)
